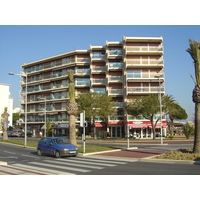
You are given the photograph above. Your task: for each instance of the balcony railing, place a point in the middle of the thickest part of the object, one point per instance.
(34, 79)
(98, 81)
(143, 75)
(144, 89)
(115, 78)
(144, 49)
(115, 65)
(119, 104)
(98, 69)
(82, 71)
(144, 62)
(115, 52)
(49, 87)
(115, 92)
(98, 56)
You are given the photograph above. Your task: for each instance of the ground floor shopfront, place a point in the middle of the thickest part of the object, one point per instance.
(112, 129)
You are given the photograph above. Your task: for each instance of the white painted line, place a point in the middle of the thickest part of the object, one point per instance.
(89, 163)
(72, 164)
(60, 167)
(100, 160)
(43, 169)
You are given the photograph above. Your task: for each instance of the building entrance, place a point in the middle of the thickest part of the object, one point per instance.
(115, 131)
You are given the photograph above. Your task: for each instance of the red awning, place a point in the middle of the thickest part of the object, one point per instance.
(100, 124)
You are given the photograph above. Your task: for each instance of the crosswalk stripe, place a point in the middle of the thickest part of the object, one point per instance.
(99, 160)
(17, 171)
(61, 167)
(43, 169)
(72, 164)
(89, 163)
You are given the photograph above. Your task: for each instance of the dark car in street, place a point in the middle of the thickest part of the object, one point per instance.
(56, 146)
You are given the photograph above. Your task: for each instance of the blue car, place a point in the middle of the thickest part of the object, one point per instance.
(56, 146)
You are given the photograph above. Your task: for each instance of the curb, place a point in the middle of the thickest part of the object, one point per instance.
(170, 161)
(88, 154)
(3, 163)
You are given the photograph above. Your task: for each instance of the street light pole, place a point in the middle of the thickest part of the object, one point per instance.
(25, 111)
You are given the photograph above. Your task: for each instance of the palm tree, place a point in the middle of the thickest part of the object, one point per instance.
(4, 117)
(72, 109)
(194, 51)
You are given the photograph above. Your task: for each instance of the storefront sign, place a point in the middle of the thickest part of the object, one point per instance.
(100, 124)
(115, 122)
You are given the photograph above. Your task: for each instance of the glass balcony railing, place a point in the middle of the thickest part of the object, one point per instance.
(98, 69)
(143, 75)
(115, 78)
(115, 65)
(115, 52)
(98, 81)
(98, 56)
(144, 89)
(116, 92)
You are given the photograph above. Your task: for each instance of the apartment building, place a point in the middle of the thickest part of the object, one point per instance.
(123, 69)
(6, 101)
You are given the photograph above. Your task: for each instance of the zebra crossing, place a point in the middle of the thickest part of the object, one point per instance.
(62, 166)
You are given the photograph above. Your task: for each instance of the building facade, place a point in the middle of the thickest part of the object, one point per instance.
(123, 69)
(6, 101)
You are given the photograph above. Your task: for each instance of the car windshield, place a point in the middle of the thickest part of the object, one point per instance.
(60, 141)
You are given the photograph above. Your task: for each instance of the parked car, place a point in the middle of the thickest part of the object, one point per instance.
(56, 146)
(15, 134)
(29, 134)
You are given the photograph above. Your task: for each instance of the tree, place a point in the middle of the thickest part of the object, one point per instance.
(4, 117)
(194, 52)
(96, 104)
(72, 109)
(188, 130)
(149, 107)
(50, 128)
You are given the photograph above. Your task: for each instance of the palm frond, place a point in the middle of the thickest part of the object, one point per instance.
(194, 52)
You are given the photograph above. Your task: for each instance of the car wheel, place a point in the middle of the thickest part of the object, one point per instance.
(57, 154)
(39, 152)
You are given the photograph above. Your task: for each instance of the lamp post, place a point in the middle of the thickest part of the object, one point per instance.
(160, 100)
(25, 111)
(45, 115)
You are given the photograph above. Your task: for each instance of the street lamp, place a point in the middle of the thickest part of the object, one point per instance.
(160, 100)
(45, 115)
(25, 111)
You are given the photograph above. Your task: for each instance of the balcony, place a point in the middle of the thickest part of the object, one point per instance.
(82, 82)
(115, 52)
(144, 63)
(115, 92)
(98, 56)
(44, 88)
(98, 69)
(144, 90)
(98, 81)
(47, 77)
(134, 77)
(115, 79)
(115, 65)
(119, 105)
(56, 64)
(144, 50)
(82, 71)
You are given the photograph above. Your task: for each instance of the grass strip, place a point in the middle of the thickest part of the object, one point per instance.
(88, 148)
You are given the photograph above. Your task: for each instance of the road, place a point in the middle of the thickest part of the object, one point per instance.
(26, 161)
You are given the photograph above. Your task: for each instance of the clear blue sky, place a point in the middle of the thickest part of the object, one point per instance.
(23, 44)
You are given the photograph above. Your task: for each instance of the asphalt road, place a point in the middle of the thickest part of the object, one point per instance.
(89, 165)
